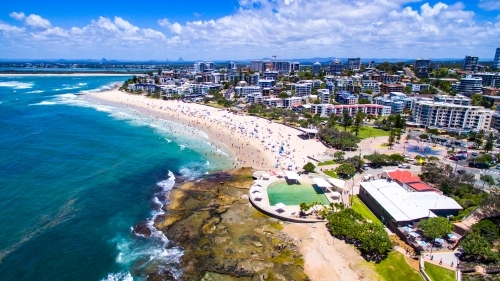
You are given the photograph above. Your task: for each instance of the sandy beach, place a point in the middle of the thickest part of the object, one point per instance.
(255, 142)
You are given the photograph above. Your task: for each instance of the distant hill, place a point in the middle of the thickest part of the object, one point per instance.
(180, 59)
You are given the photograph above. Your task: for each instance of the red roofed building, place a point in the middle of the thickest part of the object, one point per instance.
(408, 181)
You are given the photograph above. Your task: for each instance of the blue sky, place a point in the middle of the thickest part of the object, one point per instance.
(246, 29)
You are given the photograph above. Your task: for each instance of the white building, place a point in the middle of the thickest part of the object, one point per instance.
(372, 85)
(303, 89)
(470, 85)
(324, 95)
(451, 117)
(273, 102)
(245, 91)
(326, 109)
(288, 103)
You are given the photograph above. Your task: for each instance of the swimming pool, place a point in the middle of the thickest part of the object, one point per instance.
(294, 194)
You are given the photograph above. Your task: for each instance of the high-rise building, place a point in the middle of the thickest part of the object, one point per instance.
(353, 63)
(257, 66)
(421, 67)
(470, 85)
(336, 67)
(295, 66)
(470, 63)
(231, 66)
(316, 68)
(496, 61)
(282, 66)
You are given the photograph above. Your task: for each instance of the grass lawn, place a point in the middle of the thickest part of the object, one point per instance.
(360, 207)
(294, 194)
(329, 162)
(366, 132)
(394, 267)
(437, 273)
(332, 174)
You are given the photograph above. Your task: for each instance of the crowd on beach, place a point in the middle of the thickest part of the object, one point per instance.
(255, 142)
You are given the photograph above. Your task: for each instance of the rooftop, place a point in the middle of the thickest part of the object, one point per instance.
(402, 176)
(407, 206)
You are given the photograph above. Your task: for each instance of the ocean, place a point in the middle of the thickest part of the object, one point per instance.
(77, 175)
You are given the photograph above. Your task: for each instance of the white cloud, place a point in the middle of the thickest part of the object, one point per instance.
(489, 5)
(37, 21)
(10, 29)
(173, 27)
(260, 28)
(17, 16)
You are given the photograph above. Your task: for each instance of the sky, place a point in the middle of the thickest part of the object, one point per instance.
(248, 29)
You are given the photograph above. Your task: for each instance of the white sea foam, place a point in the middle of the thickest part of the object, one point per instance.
(121, 276)
(44, 103)
(82, 84)
(16, 85)
(182, 146)
(35, 92)
(190, 173)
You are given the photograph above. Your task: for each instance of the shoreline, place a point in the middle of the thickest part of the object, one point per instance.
(244, 137)
(325, 258)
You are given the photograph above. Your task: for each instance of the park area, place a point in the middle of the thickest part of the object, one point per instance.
(360, 207)
(438, 273)
(394, 267)
(294, 194)
(366, 132)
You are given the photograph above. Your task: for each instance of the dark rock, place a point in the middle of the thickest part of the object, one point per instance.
(142, 229)
(161, 276)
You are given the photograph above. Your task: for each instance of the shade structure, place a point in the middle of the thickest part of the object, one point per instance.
(292, 175)
(337, 183)
(280, 205)
(336, 194)
(265, 176)
(322, 183)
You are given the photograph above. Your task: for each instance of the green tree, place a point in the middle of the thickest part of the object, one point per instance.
(435, 227)
(339, 155)
(487, 229)
(392, 137)
(490, 142)
(476, 99)
(345, 170)
(375, 241)
(477, 246)
(424, 136)
(358, 121)
(309, 167)
(346, 120)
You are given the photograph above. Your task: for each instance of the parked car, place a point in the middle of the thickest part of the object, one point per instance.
(474, 154)
(366, 166)
(454, 158)
(461, 172)
(404, 166)
(479, 165)
(498, 167)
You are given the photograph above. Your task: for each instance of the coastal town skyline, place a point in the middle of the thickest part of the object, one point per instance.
(243, 30)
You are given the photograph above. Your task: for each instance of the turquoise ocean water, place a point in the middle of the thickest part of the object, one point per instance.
(76, 175)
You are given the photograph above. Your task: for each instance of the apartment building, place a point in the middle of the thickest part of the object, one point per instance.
(257, 66)
(353, 63)
(303, 89)
(336, 67)
(387, 88)
(288, 103)
(273, 102)
(372, 85)
(470, 63)
(255, 98)
(496, 60)
(326, 110)
(489, 79)
(451, 117)
(470, 85)
(346, 98)
(246, 90)
(316, 68)
(421, 67)
(324, 95)
(458, 99)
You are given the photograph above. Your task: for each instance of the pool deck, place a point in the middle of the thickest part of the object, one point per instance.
(260, 200)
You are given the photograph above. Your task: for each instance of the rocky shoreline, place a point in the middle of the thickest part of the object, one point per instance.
(223, 236)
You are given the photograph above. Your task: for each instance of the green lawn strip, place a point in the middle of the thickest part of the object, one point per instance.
(329, 162)
(360, 207)
(366, 132)
(394, 267)
(331, 174)
(438, 273)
